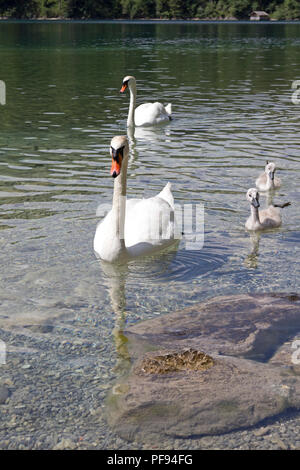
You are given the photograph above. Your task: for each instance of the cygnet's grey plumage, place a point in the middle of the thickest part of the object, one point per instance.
(268, 180)
(266, 218)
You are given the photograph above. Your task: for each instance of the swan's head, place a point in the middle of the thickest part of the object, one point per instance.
(119, 149)
(253, 197)
(128, 81)
(270, 169)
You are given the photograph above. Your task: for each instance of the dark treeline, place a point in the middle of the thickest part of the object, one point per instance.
(165, 9)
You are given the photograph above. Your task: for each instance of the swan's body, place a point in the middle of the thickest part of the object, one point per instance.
(147, 114)
(268, 180)
(135, 227)
(265, 219)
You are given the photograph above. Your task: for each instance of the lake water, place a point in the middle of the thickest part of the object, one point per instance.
(62, 313)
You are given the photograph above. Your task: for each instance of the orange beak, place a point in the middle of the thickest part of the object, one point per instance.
(124, 86)
(115, 168)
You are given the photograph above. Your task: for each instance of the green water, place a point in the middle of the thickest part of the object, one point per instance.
(230, 86)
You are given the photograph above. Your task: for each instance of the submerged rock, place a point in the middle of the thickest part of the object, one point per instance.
(208, 369)
(174, 361)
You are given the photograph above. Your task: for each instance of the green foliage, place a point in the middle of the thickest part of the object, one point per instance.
(91, 8)
(138, 8)
(241, 9)
(288, 10)
(209, 9)
(21, 9)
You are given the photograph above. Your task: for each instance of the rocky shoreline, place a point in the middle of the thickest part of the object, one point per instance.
(53, 395)
(141, 20)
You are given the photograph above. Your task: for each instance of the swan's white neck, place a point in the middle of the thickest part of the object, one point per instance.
(132, 89)
(119, 212)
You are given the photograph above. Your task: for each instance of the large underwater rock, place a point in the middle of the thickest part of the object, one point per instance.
(210, 368)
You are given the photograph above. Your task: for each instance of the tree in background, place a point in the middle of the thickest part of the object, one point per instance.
(106, 9)
(287, 10)
(140, 8)
(241, 9)
(93, 8)
(20, 9)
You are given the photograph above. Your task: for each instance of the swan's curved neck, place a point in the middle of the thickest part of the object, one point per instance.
(132, 90)
(119, 209)
(254, 215)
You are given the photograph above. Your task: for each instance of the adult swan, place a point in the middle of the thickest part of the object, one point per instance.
(133, 227)
(147, 114)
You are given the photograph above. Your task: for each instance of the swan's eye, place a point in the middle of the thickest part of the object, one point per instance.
(117, 153)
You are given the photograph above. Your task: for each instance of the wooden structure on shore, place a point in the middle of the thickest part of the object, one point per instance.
(259, 16)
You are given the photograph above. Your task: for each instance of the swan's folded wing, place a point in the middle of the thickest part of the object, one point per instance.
(149, 221)
(261, 181)
(150, 113)
(167, 195)
(270, 217)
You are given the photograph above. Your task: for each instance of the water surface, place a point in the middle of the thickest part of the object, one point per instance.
(230, 86)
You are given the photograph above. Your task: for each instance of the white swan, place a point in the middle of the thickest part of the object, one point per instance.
(265, 219)
(138, 226)
(268, 180)
(147, 114)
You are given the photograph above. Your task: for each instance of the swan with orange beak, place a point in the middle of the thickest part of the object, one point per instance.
(147, 114)
(134, 227)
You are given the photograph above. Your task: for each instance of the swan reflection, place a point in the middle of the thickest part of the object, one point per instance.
(131, 273)
(251, 260)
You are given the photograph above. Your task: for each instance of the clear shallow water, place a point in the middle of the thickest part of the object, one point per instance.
(230, 86)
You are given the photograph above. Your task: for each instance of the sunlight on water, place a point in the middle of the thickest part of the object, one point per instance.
(230, 88)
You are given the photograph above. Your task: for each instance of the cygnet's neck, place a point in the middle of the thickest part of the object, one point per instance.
(270, 181)
(132, 90)
(254, 215)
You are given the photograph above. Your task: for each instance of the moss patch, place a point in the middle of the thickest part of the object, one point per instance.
(189, 359)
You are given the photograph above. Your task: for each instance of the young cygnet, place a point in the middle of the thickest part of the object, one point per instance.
(268, 180)
(265, 219)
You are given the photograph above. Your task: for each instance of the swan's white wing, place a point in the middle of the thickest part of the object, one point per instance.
(150, 113)
(148, 221)
(149, 226)
(167, 195)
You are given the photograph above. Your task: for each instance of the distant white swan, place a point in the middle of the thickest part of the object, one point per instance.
(147, 114)
(133, 227)
(268, 180)
(265, 219)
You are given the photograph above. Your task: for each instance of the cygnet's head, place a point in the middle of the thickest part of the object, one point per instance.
(119, 149)
(270, 169)
(128, 81)
(253, 197)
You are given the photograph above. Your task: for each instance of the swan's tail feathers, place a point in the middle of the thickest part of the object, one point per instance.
(167, 195)
(168, 108)
(283, 205)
